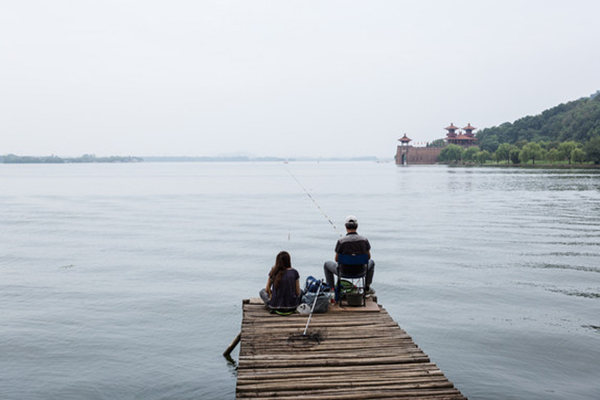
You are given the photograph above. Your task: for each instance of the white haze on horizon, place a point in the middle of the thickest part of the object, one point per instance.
(286, 79)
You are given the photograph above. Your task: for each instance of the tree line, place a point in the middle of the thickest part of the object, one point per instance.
(525, 152)
(568, 133)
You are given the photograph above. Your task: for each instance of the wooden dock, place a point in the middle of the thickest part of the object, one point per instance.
(351, 353)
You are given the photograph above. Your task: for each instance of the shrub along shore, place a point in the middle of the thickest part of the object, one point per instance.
(526, 153)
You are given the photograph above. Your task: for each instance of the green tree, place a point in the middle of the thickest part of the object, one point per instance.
(592, 148)
(552, 155)
(489, 143)
(470, 154)
(552, 145)
(515, 154)
(578, 155)
(530, 151)
(437, 143)
(451, 153)
(565, 150)
(521, 143)
(483, 156)
(503, 153)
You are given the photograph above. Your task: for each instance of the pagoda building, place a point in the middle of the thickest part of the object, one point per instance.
(406, 154)
(464, 139)
(469, 130)
(402, 152)
(405, 140)
(451, 130)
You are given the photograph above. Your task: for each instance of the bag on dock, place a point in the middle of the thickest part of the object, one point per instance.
(322, 301)
(312, 285)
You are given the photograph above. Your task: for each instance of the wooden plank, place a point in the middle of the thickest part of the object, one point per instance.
(359, 355)
(405, 369)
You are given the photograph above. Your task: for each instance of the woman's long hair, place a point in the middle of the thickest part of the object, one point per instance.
(283, 261)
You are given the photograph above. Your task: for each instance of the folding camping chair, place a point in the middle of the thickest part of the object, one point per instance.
(353, 267)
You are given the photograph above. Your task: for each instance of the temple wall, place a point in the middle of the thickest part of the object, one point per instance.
(418, 155)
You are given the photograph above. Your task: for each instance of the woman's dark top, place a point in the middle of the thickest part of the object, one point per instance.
(285, 295)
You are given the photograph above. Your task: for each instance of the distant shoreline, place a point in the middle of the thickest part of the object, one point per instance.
(86, 158)
(256, 159)
(14, 159)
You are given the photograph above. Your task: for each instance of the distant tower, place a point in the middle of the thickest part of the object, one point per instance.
(451, 130)
(469, 130)
(404, 140)
(402, 153)
(464, 139)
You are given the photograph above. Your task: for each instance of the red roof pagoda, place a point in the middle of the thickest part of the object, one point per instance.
(451, 130)
(465, 139)
(469, 130)
(405, 139)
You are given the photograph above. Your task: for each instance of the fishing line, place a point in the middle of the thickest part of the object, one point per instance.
(314, 201)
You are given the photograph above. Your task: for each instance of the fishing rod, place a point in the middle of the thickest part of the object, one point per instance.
(313, 307)
(313, 200)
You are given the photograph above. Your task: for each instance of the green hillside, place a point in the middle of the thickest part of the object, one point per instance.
(577, 121)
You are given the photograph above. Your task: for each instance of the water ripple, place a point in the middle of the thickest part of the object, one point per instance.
(565, 267)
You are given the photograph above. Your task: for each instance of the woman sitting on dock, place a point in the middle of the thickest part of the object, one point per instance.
(282, 292)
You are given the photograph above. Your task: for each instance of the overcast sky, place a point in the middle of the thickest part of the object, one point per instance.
(281, 78)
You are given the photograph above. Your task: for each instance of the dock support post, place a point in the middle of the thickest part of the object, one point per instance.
(233, 345)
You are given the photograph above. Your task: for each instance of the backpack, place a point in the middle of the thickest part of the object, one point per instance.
(312, 285)
(310, 292)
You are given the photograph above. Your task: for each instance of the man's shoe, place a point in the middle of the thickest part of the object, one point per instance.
(369, 292)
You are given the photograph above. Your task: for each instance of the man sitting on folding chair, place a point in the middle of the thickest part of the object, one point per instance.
(352, 243)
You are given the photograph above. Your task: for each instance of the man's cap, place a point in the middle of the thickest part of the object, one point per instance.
(351, 219)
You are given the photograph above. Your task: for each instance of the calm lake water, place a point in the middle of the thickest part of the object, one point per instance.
(125, 281)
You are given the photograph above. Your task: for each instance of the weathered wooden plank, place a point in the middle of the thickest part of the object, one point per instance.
(360, 356)
(313, 383)
(418, 393)
(421, 395)
(400, 369)
(336, 353)
(389, 376)
(315, 324)
(333, 363)
(322, 350)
